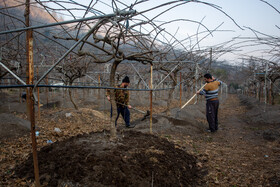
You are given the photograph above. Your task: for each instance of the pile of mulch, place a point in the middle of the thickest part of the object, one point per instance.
(134, 159)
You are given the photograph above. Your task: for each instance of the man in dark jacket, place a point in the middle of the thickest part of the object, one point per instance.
(122, 101)
(210, 92)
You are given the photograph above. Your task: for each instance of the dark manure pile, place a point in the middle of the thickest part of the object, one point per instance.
(134, 159)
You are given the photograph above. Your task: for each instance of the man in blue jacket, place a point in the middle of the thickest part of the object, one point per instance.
(210, 92)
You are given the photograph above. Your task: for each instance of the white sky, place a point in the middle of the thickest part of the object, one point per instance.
(249, 13)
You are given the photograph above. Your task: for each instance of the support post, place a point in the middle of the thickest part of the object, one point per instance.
(226, 91)
(257, 90)
(47, 90)
(265, 83)
(255, 84)
(99, 86)
(38, 95)
(30, 80)
(196, 79)
(180, 89)
(210, 59)
(151, 101)
(270, 92)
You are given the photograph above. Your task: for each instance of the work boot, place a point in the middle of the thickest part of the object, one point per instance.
(130, 126)
(210, 131)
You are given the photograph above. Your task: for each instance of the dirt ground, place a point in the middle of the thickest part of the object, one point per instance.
(75, 149)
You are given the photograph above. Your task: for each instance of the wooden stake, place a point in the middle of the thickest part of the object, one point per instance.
(47, 91)
(196, 79)
(270, 92)
(38, 95)
(30, 80)
(151, 101)
(180, 89)
(99, 86)
(265, 84)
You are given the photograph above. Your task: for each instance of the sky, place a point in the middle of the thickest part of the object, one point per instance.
(246, 13)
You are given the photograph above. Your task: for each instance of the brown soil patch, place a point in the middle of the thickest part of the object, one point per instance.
(135, 159)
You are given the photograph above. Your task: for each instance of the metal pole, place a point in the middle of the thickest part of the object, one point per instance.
(180, 89)
(151, 100)
(139, 75)
(14, 75)
(196, 78)
(226, 91)
(99, 86)
(210, 59)
(255, 84)
(30, 80)
(92, 79)
(167, 75)
(265, 83)
(222, 90)
(47, 90)
(38, 95)
(121, 13)
(84, 92)
(270, 92)
(257, 90)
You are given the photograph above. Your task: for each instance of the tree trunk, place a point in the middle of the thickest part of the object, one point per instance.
(71, 99)
(113, 102)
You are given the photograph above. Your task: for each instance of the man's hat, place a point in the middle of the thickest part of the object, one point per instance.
(126, 79)
(208, 76)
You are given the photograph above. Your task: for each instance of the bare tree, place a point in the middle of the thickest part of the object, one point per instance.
(72, 69)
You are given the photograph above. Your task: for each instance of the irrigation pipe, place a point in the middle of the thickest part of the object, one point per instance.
(82, 87)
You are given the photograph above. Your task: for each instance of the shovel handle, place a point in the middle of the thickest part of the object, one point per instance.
(132, 108)
(192, 97)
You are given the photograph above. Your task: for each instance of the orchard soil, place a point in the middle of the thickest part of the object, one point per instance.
(245, 151)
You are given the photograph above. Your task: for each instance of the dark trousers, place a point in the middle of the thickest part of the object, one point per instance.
(123, 110)
(212, 114)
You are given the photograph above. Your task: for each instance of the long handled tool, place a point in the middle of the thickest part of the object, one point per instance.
(192, 97)
(148, 113)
